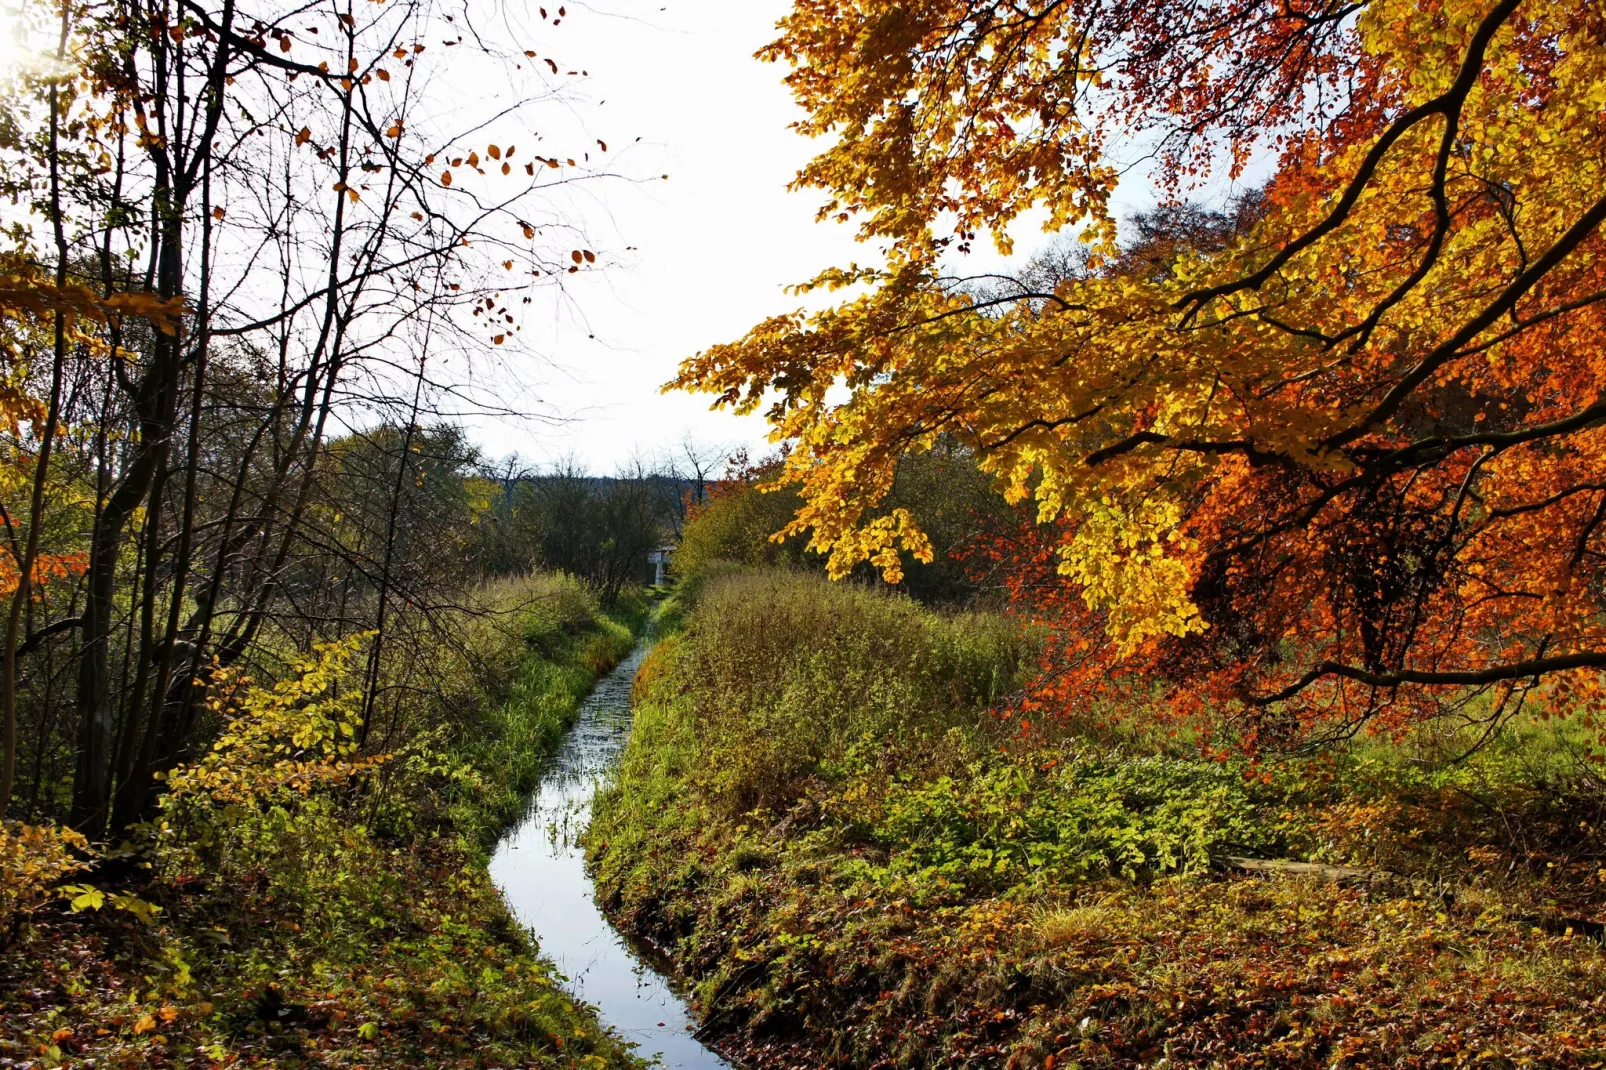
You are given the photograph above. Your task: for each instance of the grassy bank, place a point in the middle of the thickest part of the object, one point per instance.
(854, 863)
(353, 926)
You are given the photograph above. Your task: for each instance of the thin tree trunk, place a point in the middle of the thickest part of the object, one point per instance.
(41, 472)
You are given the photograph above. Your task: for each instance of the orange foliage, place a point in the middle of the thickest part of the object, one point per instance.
(1337, 465)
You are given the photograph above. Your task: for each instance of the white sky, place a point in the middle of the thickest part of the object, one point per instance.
(695, 260)
(688, 262)
(713, 246)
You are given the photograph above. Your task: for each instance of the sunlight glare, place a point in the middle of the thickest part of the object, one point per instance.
(22, 51)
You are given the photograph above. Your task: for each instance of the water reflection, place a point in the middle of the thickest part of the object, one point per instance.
(541, 871)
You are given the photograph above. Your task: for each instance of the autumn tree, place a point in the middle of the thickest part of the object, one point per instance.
(263, 235)
(1334, 460)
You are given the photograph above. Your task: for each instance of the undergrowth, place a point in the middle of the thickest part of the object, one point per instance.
(855, 862)
(352, 924)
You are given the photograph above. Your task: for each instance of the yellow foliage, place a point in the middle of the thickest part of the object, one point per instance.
(33, 860)
(1401, 291)
(292, 737)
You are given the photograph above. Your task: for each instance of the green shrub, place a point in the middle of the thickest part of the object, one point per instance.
(1057, 818)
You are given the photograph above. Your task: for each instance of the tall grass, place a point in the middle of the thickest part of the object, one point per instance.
(784, 675)
(852, 859)
(501, 694)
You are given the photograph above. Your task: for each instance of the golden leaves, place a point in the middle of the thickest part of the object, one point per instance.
(1149, 432)
(289, 739)
(34, 859)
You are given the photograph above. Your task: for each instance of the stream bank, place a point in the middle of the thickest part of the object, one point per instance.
(540, 868)
(858, 863)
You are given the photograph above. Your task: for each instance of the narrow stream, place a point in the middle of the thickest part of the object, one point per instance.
(540, 870)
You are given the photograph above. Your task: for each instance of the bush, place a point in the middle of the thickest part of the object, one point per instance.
(292, 911)
(854, 862)
(1060, 819)
(34, 859)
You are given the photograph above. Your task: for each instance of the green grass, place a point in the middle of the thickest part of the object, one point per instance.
(853, 859)
(365, 920)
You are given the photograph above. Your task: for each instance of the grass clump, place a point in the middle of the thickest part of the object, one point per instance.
(855, 860)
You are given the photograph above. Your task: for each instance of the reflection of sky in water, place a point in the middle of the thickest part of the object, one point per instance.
(541, 871)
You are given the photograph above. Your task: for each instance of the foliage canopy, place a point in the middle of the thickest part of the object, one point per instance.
(1335, 463)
